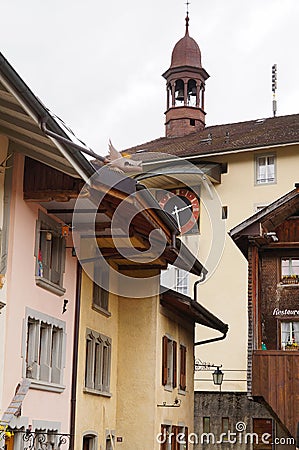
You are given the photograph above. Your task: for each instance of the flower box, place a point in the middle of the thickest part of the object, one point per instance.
(290, 279)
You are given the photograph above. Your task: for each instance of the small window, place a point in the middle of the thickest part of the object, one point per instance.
(206, 426)
(224, 212)
(45, 344)
(183, 353)
(290, 335)
(290, 266)
(166, 437)
(50, 253)
(192, 122)
(97, 362)
(182, 438)
(182, 281)
(169, 362)
(225, 428)
(89, 442)
(110, 442)
(100, 297)
(265, 169)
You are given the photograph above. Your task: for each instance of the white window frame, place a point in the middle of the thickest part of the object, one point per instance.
(268, 179)
(292, 269)
(50, 254)
(100, 290)
(97, 363)
(182, 281)
(44, 351)
(171, 369)
(292, 330)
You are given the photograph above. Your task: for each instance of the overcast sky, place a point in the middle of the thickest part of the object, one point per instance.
(98, 64)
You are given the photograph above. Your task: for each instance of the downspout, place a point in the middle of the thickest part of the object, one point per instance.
(207, 341)
(75, 356)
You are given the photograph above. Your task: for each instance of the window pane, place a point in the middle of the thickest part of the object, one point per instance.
(295, 266)
(262, 161)
(265, 168)
(289, 266)
(206, 424)
(182, 281)
(285, 269)
(88, 364)
(225, 427)
(289, 333)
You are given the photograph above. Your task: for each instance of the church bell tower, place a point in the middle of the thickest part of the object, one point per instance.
(185, 83)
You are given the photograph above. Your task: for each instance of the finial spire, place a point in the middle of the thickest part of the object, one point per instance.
(187, 17)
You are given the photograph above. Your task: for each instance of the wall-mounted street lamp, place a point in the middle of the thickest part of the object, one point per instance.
(217, 374)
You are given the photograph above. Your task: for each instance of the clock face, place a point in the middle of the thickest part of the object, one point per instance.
(183, 206)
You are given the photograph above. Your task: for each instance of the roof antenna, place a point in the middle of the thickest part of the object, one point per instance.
(274, 87)
(187, 16)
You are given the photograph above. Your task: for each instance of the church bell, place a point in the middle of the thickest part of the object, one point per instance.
(180, 95)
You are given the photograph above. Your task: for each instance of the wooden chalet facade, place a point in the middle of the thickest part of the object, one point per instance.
(270, 241)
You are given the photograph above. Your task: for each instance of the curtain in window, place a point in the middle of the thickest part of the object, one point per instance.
(296, 331)
(285, 332)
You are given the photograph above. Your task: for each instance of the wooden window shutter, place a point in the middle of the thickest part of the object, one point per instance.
(186, 437)
(174, 443)
(174, 373)
(164, 438)
(164, 360)
(183, 351)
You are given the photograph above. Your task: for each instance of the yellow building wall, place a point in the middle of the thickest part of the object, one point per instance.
(142, 324)
(183, 333)
(225, 292)
(96, 414)
(136, 327)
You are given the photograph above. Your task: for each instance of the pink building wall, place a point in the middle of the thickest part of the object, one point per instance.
(22, 292)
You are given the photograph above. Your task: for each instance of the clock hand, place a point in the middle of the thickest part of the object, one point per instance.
(185, 207)
(177, 216)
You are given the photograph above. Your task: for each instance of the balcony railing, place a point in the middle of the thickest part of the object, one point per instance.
(38, 440)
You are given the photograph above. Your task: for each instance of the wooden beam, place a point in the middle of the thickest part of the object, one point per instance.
(29, 140)
(48, 196)
(282, 245)
(7, 104)
(19, 123)
(143, 267)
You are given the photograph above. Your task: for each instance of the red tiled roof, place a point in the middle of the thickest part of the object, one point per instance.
(227, 137)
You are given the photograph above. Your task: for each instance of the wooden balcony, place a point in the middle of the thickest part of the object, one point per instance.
(275, 377)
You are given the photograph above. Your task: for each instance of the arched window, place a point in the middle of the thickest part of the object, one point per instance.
(90, 441)
(179, 93)
(191, 93)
